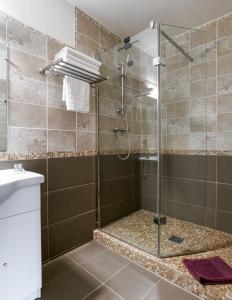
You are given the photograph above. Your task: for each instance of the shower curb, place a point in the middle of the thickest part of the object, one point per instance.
(165, 267)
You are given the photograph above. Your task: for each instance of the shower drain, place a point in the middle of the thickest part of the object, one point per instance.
(176, 239)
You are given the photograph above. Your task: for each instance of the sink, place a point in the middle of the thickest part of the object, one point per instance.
(11, 181)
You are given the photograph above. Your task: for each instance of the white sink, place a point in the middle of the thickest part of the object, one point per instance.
(11, 181)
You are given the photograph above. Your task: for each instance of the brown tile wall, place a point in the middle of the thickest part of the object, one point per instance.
(195, 188)
(119, 187)
(68, 201)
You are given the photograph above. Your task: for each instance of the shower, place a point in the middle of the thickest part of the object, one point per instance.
(122, 110)
(151, 199)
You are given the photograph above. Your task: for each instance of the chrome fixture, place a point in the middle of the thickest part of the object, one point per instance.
(150, 158)
(127, 44)
(62, 68)
(116, 129)
(123, 68)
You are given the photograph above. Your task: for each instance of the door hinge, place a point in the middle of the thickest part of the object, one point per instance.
(158, 61)
(162, 220)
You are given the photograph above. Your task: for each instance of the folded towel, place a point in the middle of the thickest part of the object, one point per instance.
(210, 271)
(86, 69)
(78, 61)
(66, 50)
(76, 94)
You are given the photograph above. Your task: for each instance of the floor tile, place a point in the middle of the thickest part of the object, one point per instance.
(167, 291)
(73, 286)
(57, 268)
(86, 252)
(133, 282)
(105, 264)
(103, 293)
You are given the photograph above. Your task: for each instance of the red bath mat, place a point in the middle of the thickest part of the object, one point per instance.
(211, 270)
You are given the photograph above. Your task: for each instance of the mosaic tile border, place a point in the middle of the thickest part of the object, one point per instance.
(22, 156)
(169, 268)
(177, 152)
(47, 155)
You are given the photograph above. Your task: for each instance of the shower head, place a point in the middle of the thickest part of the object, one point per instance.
(130, 63)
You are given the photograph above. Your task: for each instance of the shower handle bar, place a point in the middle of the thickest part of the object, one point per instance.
(116, 129)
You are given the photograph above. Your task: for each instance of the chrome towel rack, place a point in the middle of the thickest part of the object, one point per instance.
(62, 68)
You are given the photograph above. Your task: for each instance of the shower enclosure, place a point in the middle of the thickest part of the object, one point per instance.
(153, 136)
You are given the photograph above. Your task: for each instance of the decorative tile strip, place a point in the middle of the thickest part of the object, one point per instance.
(4, 156)
(20, 156)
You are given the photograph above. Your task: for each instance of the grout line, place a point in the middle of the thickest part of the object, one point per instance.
(153, 288)
(71, 218)
(87, 260)
(114, 292)
(27, 103)
(29, 128)
(72, 187)
(28, 52)
(22, 77)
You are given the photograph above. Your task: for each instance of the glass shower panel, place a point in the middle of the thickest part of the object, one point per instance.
(184, 134)
(127, 144)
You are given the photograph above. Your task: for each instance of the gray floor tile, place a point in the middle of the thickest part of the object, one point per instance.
(105, 264)
(73, 286)
(167, 291)
(133, 282)
(103, 293)
(57, 268)
(86, 252)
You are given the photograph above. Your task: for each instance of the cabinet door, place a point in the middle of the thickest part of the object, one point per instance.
(20, 255)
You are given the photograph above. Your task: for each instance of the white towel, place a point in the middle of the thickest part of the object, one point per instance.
(86, 68)
(72, 59)
(76, 94)
(69, 51)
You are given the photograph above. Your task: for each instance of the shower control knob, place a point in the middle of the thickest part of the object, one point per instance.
(5, 265)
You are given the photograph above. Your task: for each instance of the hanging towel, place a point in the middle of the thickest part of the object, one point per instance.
(76, 94)
(209, 271)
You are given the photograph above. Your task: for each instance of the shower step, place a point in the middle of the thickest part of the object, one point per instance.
(169, 268)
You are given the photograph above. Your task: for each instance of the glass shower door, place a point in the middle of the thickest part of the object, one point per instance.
(185, 86)
(128, 141)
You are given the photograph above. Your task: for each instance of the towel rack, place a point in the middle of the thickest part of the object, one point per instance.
(62, 68)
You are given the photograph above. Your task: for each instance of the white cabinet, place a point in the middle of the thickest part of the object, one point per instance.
(20, 244)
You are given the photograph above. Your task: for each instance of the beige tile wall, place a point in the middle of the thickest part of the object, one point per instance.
(37, 119)
(39, 122)
(197, 95)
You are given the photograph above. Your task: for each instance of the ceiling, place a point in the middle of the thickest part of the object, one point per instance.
(128, 17)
